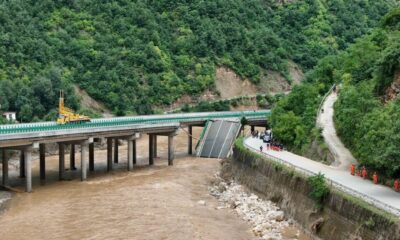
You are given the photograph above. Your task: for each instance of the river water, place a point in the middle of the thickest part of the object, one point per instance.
(158, 202)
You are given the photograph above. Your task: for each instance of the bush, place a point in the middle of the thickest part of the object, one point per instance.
(319, 188)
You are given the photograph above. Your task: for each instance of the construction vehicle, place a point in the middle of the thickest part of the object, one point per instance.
(66, 115)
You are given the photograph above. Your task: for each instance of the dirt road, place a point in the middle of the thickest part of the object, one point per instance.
(343, 157)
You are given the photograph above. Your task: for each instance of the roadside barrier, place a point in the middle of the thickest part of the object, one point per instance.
(368, 199)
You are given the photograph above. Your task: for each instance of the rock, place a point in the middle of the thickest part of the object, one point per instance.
(201, 202)
(317, 224)
(266, 219)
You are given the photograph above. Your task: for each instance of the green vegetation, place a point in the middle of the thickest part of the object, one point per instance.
(133, 55)
(319, 188)
(367, 118)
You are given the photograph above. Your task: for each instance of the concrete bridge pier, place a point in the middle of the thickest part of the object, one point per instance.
(115, 150)
(155, 146)
(132, 150)
(72, 157)
(42, 161)
(91, 157)
(22, 164)
(61, 161)
(151, 149)
(171, 149)
(5, 166)
(84, 151)
(190, 140)
(28, 168)
(109, 154)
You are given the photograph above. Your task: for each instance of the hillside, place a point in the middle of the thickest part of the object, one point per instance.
(133, 55)
(367, 113)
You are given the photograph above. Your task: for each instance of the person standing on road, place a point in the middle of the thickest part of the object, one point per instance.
(396, 185)
(375, 178)
(261, 148)
(364, 173)
(352, 169)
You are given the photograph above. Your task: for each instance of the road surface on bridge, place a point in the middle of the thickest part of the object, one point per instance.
(380, 196)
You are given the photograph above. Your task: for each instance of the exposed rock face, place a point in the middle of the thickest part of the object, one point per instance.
(393, 91)
(267, 220)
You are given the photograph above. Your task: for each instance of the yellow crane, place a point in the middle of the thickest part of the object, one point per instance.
(66, 115)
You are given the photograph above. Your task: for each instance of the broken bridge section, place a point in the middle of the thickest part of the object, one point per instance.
(217, 138)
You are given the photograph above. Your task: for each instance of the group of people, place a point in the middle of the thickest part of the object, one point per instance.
(364, 174)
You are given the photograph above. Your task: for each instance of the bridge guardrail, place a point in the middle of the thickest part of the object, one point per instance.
(46, 126)
(353, 192)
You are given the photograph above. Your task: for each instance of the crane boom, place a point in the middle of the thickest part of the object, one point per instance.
(66, 115)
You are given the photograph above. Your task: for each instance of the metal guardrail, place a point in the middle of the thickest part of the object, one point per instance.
(107, 122)
(355, 193)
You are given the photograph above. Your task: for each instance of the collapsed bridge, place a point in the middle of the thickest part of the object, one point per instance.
(26, 137)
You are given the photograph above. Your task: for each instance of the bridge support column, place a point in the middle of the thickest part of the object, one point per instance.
(84, 150)
(155, 145)
(72, 157)
(42, 161)
(151, 149)
(5, 167)
(116, 150)
(61, 161)
(91, 157)
(109, 154)
(171, 149)
(28, 168)
(190, 140)
(22, 164)
(132, 151)
(130, 154)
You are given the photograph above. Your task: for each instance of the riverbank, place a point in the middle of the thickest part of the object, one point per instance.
(335, 216)
(157, 202)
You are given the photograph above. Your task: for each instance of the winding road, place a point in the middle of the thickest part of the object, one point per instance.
(338, 173)
(343, 157)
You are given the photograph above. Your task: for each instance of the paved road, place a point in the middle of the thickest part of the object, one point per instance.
(343, 157)
(380, 196)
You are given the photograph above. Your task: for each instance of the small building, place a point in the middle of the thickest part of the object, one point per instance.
(10, 116)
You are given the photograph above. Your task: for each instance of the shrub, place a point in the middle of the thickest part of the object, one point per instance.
(319, 188)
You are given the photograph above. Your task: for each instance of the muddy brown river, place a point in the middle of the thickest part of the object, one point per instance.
(158, 202)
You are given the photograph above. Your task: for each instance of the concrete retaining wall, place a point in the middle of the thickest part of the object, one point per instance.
(340, 216)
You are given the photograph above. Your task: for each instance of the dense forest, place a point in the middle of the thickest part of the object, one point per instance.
(132, 55)
(367, 113)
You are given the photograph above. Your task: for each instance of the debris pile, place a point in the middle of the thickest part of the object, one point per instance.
(266, 219)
